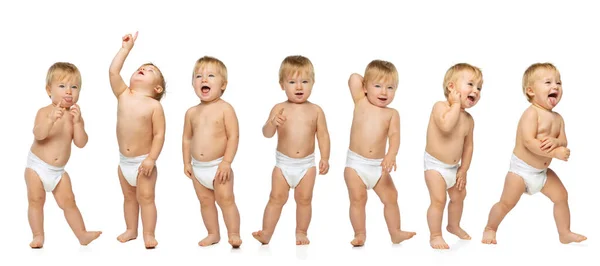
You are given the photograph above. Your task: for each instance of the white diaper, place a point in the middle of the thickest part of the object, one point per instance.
(49, 175)
(294, 169)
(130, 166)
(534, 178)
(369, 170)
(447, 171)
(205, 171)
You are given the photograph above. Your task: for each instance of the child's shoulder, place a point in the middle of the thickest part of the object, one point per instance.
(441, 104)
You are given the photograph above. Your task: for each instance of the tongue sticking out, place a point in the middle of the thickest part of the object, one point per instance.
(552, 101)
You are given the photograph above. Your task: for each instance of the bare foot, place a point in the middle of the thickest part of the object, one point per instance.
(457, 231)
(400, 236)
(262, 237)
(235, 241)
(571, 237)
(150, 241)
(302, 239)
(437, 242)
(37, 242)
(128, 235)
(88, 237)
(489, 237)
(210, 239)
(359, 240)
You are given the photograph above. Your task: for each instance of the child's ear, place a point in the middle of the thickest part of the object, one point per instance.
(224, 85)
(530, 92)
(281, 84)
(48, 91)
(158, 89)
(451, 86)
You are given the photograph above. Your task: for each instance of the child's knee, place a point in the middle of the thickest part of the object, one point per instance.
(303, 200)
(278, 198)
(66, 202)
(145, 198)
(37, 201)
(225, 199)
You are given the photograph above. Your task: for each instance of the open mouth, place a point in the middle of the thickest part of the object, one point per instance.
(68, 99)
(553, 98)
(141, 72)
(299, 94)
(205, 89)
(471, 98)
(553, 95)
(383, 99)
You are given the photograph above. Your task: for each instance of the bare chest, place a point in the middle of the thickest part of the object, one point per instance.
(131, 109)
(208, 118)
(300, 120)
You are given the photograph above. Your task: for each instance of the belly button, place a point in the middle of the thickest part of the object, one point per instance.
(201, 154)
(127, 149)
(370, 151)
(297, 152)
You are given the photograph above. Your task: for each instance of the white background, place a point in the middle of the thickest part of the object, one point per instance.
(252, 38)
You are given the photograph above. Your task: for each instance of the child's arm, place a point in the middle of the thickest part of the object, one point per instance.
(186, 142)
(389, 162)
(447, 118)
(80, 137)
(45, 120)
(549, 143)
(276, 119)
(467, 155)
(158, 140)
(355, 83)
(528, 126)
(324, 141)
(116, 81)
(233, 137)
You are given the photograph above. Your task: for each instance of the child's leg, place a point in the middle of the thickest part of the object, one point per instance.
(63, 193)
(303, 196)
(280, 191)
(145, 197)
(36, 195)
(386, 190)
(131, 210)
(208, 209)
(514, 186)
(231, 215)
(437, 194)
(556, 192)
(357, 191)
(455, 210)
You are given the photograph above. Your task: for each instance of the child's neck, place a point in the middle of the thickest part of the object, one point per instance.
(142, 91)
(534, 104)
(462, 109)
(209, 102)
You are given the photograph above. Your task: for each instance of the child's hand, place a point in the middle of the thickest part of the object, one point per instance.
(388, 163)
(187, 169)
(76, 113)
(128, 40)
(548, 144)
(223, 172)
(562, 153)
(454, 97)
(279, 119)
(57, 112)
(147, 166)
(461, 179)
(323, 167)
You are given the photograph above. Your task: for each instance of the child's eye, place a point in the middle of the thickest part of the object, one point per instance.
(390, 88)
(292, 82)
(211, 75)
(74, 87)
(559, 83)
(61, 86)
(305, 81)
(198, 76)
(470, 84)
(377, 86)
(479, 89)
(547, 82)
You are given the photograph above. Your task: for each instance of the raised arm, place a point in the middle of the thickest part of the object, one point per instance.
(444, 117)
(233, 134)
(44, 120)
(116, 81)
(355, 83)
(276, 118)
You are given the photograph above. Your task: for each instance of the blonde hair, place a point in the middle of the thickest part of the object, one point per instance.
(209, 60)
(294, 64)
(162, 82)
(379, 69)
(528, 75)
(61, 70)
(458, 68)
